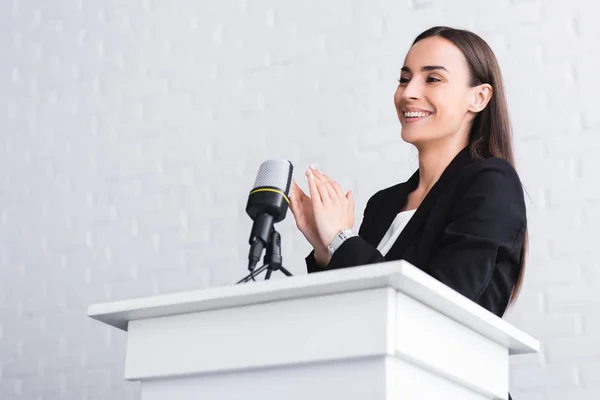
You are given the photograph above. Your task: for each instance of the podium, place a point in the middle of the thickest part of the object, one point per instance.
(381, 331)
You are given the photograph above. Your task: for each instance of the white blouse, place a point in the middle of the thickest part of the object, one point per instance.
(394, 231)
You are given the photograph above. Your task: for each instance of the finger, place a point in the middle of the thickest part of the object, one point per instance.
(323, 189)
(294, 189)
(296, 203)
(314, 191)
(298, 192)
(335, 186)
(330, 189)
(350, 197)
(331, 192)
(320, 183)
(293, 198)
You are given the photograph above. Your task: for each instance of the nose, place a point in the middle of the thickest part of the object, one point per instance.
(412, 90)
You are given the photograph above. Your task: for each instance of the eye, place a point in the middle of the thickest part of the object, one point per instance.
(432, 79)
(403, 80)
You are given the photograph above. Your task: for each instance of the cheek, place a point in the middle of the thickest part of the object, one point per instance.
(449, 105)
(398, 96)
(445, 108)
(451, 114)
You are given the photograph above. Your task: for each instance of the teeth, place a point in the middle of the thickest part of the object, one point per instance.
(415, 114)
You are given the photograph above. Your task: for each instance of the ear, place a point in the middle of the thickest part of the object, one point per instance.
(482, 94)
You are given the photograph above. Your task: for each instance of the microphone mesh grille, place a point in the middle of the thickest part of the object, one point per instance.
(275, 173)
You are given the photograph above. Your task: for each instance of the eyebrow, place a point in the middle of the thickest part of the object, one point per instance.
(425, 68)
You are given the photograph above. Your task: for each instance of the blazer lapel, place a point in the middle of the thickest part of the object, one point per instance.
(399, 198)
(389, 208)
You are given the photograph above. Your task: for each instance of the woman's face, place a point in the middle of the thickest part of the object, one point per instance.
(434, 100)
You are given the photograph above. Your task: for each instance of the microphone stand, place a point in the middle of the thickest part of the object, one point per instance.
(272, 259)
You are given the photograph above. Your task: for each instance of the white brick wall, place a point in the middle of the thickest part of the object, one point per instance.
(131, 131)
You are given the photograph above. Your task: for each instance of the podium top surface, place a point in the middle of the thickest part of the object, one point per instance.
(399, 275)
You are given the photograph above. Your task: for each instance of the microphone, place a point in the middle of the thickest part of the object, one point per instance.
(268, 203)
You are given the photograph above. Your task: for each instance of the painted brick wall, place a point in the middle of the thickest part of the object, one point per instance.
(131, 132)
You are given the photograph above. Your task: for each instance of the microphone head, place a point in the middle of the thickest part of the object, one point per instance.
(271, 189)
(275, 174)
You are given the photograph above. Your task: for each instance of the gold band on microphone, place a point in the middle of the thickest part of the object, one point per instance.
(272, 190)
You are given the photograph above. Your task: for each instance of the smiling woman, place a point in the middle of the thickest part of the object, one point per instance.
(461, 216)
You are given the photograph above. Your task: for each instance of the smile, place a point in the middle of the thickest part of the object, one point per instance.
(413, 116)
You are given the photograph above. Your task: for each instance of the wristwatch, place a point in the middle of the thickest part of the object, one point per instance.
(338, 240)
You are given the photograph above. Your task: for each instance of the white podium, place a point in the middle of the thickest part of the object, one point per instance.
(382, 331)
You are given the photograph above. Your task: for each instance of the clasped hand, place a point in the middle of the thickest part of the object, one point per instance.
(324, 213)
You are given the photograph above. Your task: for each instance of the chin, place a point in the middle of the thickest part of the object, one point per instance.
(413, 137)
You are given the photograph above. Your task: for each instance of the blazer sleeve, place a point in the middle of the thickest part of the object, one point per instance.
(484, 232)
(354, 251)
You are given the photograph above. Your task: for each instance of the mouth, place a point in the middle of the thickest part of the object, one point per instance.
(414, 116)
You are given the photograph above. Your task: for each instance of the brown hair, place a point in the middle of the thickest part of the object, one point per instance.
(491, 132)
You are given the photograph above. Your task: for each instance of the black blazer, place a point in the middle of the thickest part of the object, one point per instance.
(467, 232)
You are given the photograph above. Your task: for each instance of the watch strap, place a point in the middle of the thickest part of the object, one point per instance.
(338, 239)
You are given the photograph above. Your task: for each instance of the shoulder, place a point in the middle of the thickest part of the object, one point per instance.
(491, 175)
(486, 171)
(491, 164)
(390, 192)
(491, 188)
(493, 180)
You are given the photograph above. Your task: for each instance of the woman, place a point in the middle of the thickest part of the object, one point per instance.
(461, 216)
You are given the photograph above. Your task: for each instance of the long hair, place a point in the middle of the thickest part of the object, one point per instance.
(491, 132)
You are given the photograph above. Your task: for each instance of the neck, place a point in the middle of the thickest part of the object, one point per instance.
(433, 160)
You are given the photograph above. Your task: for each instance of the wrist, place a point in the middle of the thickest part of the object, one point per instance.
(322, 257)
(340, 237)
